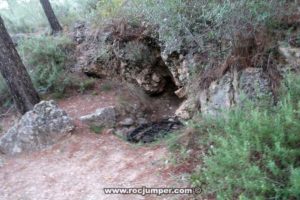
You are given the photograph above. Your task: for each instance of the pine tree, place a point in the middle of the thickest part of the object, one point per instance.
(15, 74)
(52, 19)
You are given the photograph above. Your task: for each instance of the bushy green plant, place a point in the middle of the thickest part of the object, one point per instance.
(253, 153)
(86, 85)
(46, 58)
(137, 52)
(104, 9)
(106, 86)
(96, 129)
(200, 22)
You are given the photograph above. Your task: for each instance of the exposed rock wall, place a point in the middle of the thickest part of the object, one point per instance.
(128, 52)
(234, 88)
(134, 54)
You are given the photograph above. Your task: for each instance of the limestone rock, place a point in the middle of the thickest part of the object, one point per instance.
(186, 110)
(291, 54)
(234, 88)
(181, 93)
(253, 85)
(43, 126)
(101, 117)
(79, 32)
(127, 122)
(218, 96)
(134, 58)
(142, 121)
(178, 66)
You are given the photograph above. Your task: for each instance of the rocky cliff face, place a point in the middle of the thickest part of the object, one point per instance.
(135, 54)
(128, 52)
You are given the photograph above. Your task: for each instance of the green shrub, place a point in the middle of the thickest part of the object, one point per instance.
(86, 85)
(104, 9)
(253, 153)
(46, 58)
(106, 86)
(96, 129)
(202, 22)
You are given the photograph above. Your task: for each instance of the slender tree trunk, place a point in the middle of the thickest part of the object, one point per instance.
(15, 74)
(53, 21)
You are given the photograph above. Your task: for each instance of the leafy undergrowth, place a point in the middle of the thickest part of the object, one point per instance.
(48, 60)
(96, 129)
(252, 152)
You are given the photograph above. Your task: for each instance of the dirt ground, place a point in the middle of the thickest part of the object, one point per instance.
(81, 165)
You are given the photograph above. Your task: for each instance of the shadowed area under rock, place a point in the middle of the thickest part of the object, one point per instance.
(150, 132)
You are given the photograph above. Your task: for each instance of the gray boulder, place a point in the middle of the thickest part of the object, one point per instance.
(127, 122)
(43, 126)
(102, 117)
(142, 121)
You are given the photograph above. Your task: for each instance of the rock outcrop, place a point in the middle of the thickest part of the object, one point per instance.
(135, 54)
(43, 126)
(79, 32)
(187, 109)
(234, 88)
(130, 53)
(180, 66)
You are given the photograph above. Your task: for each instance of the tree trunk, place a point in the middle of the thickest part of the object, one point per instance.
(53, 21)
(15, 74)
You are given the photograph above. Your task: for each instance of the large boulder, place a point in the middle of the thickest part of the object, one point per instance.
(43, 126)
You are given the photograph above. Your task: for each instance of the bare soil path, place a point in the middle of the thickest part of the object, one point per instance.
(80, 166)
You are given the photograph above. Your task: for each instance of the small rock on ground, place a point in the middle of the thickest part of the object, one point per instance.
(102, 117)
